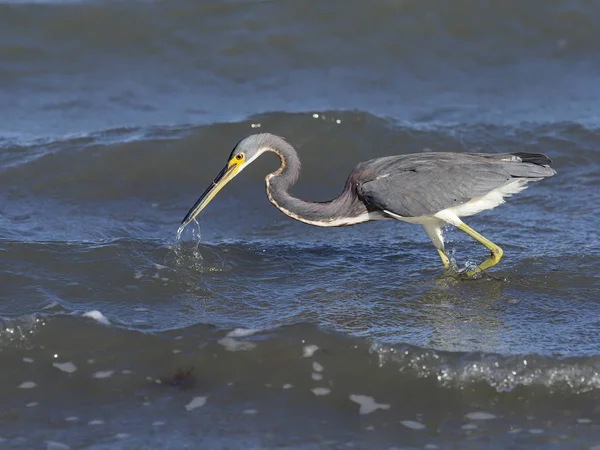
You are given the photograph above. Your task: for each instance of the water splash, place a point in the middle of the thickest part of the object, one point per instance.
(179, 245)
(195, 232)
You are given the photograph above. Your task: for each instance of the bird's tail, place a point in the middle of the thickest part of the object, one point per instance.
(533, 158)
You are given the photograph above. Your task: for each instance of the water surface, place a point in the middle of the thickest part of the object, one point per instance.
(270, 333)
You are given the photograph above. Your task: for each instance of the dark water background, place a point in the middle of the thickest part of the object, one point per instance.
(115, 115)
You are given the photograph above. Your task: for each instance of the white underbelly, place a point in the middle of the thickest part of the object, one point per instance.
(470, 208)
(489, 200)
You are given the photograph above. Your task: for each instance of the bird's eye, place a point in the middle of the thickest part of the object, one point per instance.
(239, 156)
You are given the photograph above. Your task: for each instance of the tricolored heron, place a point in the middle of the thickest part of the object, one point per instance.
(430, 189)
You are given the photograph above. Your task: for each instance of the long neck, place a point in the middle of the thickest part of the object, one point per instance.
(343, 210)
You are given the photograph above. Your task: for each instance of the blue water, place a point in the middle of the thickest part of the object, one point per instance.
(115, 118)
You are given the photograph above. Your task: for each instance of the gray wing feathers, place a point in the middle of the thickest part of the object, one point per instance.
(424, 184)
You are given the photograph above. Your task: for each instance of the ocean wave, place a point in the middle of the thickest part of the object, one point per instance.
(165, 152)
(504, 373)
(406, 363)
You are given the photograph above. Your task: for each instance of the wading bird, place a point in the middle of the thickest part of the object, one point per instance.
(430, 189)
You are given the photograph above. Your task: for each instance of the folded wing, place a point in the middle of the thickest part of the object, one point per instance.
(423, 184)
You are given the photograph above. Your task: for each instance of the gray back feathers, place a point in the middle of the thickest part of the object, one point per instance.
(425, 183)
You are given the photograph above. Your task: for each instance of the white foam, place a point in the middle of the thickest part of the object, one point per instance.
(480, 415)
(158, 423)
(431, 446)
(250, 411)
(126, 372)
(413, 425)
(233, 345)
(321, 391)
(103, 374)
(469, 426)
(367, 404)
(515, 430)
(31, 404)
(536, 431)
(53, 445)
(97, 316)
(197, 402)
(584, 420)
(317, 367)
(140, 309)
(309, 350)
(138, 274)
(175, 351)
(317, 376)
(121, 435)
(96, 422)
(68, 367)
(242, 332)
(287, 386)
(72, 419)
(28, 360)
(28, 384)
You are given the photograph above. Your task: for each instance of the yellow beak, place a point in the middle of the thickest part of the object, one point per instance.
(224, 177)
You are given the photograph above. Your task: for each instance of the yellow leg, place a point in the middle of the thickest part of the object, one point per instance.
(495, 251)
(444, 258)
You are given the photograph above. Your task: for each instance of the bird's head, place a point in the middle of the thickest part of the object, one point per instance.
(243, 154)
